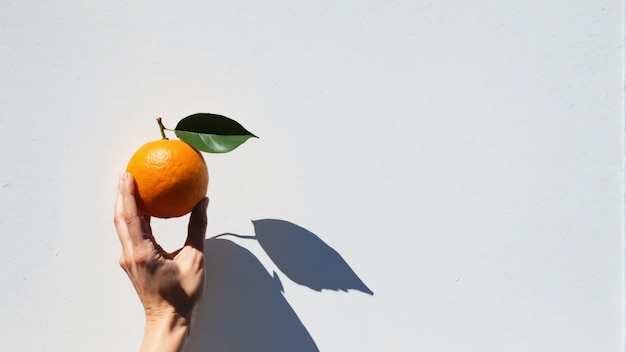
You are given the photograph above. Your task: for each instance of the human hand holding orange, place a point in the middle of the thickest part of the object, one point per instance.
(169, 285)
(169, 178)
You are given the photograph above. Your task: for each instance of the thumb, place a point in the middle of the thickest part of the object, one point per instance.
(197, 225)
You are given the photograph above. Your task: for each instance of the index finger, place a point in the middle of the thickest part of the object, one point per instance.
(129, 220)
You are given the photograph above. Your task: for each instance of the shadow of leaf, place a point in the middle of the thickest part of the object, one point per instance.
(305, 258)
(243, 308)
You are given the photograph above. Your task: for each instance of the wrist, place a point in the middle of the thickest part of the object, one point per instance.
(166, 333)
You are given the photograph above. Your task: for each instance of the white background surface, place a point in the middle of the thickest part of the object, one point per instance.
(464, 158)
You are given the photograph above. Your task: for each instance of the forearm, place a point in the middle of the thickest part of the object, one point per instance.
(165, 334)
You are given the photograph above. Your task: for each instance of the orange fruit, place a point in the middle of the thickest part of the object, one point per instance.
(171, 178)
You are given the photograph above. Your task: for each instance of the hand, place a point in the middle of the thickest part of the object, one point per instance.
(169, 285)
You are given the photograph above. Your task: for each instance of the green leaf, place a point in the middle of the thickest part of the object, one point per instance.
(212, 133)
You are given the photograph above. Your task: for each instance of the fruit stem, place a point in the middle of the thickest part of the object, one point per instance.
(161, 127)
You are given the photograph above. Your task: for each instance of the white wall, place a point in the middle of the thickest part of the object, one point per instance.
(464, 158)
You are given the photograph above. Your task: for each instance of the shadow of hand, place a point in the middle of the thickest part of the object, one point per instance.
(243, 308)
